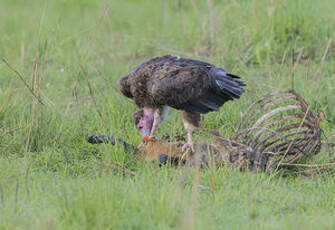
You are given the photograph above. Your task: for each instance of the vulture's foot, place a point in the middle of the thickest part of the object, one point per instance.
(187, 146)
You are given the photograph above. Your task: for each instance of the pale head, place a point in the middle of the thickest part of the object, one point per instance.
(144, 120)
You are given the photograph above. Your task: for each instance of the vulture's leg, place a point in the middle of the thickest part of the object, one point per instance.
(189, 143)
(160, 115)
(191, 122)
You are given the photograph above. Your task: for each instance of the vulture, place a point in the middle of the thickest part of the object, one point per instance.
(192, 86)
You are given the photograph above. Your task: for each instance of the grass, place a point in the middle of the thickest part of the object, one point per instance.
(70, 55)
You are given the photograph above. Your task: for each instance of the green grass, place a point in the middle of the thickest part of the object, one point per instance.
(71, 53)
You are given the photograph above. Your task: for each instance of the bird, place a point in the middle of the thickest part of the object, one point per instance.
(192, 86)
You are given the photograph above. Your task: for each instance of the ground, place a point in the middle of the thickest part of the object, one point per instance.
(68, 56)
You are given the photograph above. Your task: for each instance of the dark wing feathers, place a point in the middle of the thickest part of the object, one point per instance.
(224, 87)
(210, 104)
(189, 62)
(185, 84)
(124, 87)
(196, 107)
(196, 89)
(226, 84)
(229, 88)
(233, 76)
(181, 87)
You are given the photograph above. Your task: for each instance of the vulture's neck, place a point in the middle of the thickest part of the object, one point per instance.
(148, 112)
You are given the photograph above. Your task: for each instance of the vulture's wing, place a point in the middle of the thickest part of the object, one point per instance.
(124, 86)
(195, 88)
(135, 81)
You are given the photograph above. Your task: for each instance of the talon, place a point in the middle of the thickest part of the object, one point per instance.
(187, 146)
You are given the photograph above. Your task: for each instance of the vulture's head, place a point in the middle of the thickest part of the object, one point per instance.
(143, 120)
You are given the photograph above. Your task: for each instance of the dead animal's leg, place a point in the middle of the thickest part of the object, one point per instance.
(191, 122)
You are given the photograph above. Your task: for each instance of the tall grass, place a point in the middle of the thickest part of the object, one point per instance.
(71, 53)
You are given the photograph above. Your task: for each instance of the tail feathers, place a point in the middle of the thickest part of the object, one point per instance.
(221, 74)
(241, 83)
(233, 76)
(229, 88)
(226, 83)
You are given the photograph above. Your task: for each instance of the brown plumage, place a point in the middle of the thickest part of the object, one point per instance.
(195, 87)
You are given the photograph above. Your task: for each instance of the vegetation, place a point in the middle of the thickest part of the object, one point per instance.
(68, 56)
